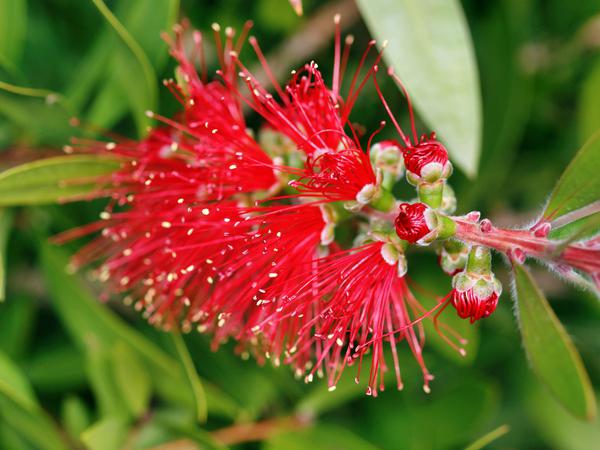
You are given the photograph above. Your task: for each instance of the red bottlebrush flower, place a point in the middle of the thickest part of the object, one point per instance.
(186, 242)
(413, 223)
(475, 296)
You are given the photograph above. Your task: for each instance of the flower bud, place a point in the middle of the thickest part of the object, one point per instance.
(476, 290)
(387, 156)
(475, 297)
(453, 257)
(412, 224)
(426, 162)
(418, 223)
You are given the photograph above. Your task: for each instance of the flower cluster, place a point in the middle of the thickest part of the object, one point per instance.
(212, 228)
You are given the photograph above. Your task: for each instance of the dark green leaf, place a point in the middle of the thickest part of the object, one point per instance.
(579, 185)
(5, 226)
(430, 49)
(550, 350)
(53, 179)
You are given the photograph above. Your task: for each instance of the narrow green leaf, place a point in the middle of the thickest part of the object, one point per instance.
(550, 350)
(98, 366)
(20, 410)
(5, 225)
(191, 375)
(488, 438)
(579, 185)
(107, 434)
(589, 104)
(75, 416)
(131, 378)
(431, 50)
(13, 24)
(579, 229)
(147, 71)
(53, 179)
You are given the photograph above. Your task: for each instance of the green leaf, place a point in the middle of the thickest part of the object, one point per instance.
(53, 179)
(577, 230)
(75, 415)
(191, 375)
(560, 429)
(589, 104)
(107, 434)
(550, 350)
(5, 225)
(320, 437)
(431, 50)
(20, 410)
(131, 378)
(13, 24)
(99, 369)
(579, 185)
(488, 438)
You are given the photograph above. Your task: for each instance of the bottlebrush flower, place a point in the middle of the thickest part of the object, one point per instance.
(189, 241)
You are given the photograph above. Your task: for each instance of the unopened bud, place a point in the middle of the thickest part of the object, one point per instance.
(426, 162)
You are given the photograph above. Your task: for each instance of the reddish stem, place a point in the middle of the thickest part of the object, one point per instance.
(511, 241)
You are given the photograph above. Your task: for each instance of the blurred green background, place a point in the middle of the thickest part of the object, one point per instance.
(77, 373)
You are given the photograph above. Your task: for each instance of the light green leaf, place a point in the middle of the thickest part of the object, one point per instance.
(320, 437)
(13, 24)
(488, 438)
(5, 225)
(107, 434)
(431, 50)
(20, 410)
(550, 350)
(191, 375)
(53, 179)
(579, 185)
(589, 104)
(75, 415)
(131, 378)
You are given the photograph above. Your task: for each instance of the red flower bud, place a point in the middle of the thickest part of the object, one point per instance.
(475, 296)
(428, 160)
(411, 224)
